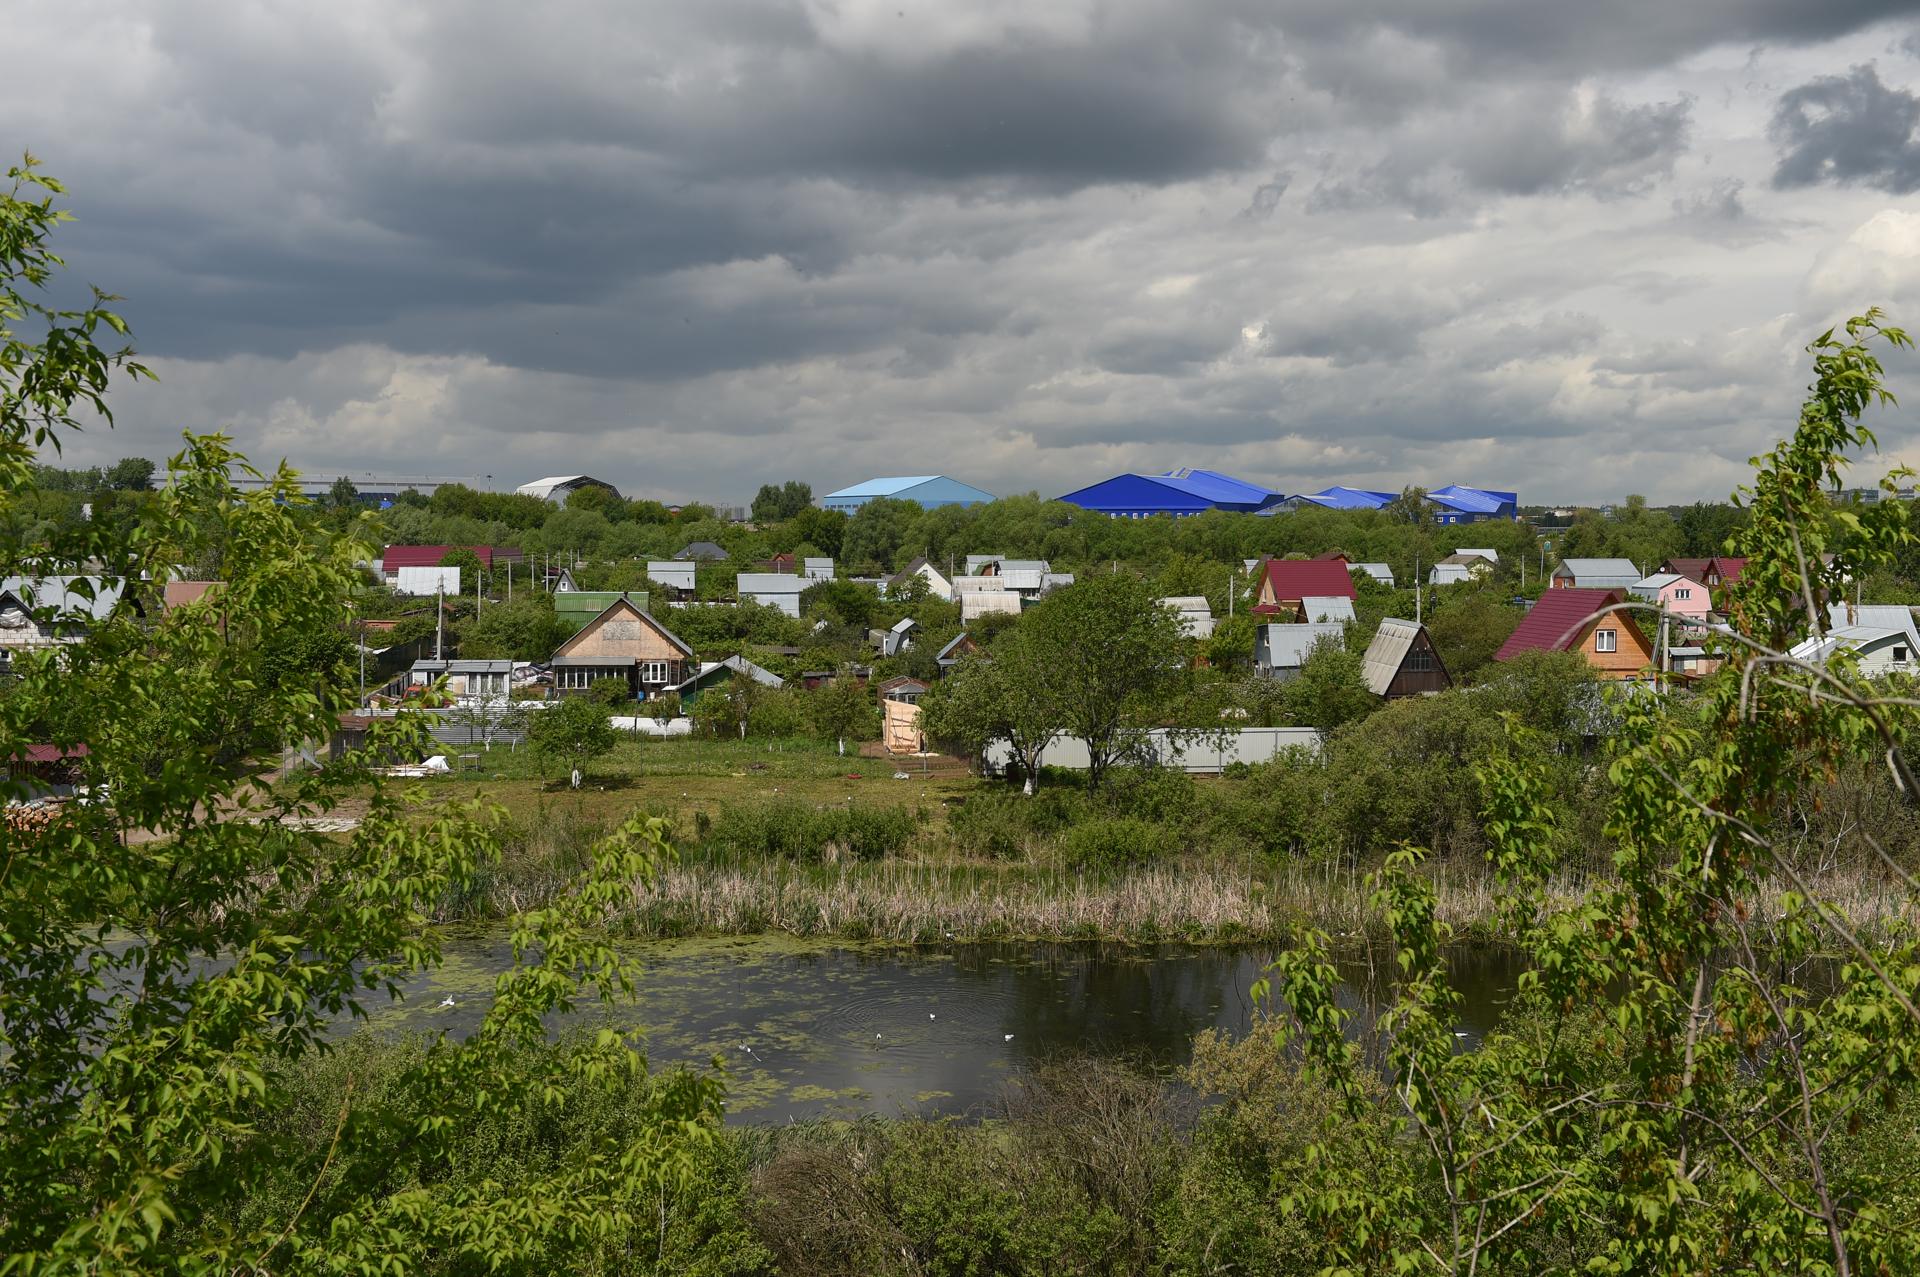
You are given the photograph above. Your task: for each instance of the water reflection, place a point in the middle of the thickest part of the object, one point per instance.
(839, 1032)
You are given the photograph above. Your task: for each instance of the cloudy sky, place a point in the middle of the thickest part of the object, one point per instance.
(691, 247)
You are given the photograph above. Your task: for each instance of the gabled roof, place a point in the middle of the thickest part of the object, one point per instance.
(709, 671)
(1344, 498)
(61, 595)
(1578, 568)
(770, 583)
(1381, 572)
(1320, 608)
(1287, 645)
(638, 611)
(701, 550)
(1882, 616)
(945, 656)
(1388, 652)
(1558, 620)
(429, 556)
(1296, 579)
(1727, 566)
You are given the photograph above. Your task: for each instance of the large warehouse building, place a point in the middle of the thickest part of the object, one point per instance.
(1177, 492)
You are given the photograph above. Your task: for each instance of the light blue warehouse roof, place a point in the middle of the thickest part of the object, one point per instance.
(930, 490)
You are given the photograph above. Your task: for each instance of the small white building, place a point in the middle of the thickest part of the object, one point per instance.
(423, 582)
(1876, 651)
(1196, 615)
(772, 589)
(938, 586)
(1280, 650)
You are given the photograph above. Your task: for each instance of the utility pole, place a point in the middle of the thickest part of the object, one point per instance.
(1417, 617)
(439, 616)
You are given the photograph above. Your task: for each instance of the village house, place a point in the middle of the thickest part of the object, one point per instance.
(623, 642)
(712, 674)
(902, 688)
(1280, 650)
(407, 567)
(1285, 585)
(1877, 651)
(673, 577)
(52, 612)
(468, 682)
(1402, 661)
(896, 639)
(1595, 574)
(959, 649)
(1196, 615)
(1712, 572)
(938, 586)
(1687, 599)
(772, 589)
(1565, 620)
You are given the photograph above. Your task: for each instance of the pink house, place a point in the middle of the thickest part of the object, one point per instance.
(1681, 595)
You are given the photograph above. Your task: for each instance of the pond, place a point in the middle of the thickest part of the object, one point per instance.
(839, 1032)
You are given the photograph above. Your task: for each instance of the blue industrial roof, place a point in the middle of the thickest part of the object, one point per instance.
(929, 490)
(1343, 498)
(1182, 491)
(1472, 500)
(883, 487)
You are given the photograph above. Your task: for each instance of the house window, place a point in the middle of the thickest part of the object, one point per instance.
(653, 672)
(1899, 656)
(1606, 640)
(1419, 661)
(1683, 594)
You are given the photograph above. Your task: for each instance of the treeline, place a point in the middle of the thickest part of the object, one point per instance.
(884, 534)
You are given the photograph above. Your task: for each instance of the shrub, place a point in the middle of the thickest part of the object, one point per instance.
(787, 829)
(1154, 793)
(1111, 844)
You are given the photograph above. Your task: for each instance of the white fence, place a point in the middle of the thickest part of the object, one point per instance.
(1213, 753)
(644, 726)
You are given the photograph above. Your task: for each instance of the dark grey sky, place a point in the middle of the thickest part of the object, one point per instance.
(1568, 248)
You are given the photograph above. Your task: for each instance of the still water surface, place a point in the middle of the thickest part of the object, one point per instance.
(841, 1032)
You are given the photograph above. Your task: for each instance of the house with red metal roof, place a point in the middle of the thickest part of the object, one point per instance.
(1567, 620)
(1286, 584)
(1712, 572)
(431, 556)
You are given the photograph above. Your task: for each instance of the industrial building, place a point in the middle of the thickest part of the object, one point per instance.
(928, 491)
(1176, 493)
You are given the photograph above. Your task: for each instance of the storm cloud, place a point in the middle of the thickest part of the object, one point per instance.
(694, 248)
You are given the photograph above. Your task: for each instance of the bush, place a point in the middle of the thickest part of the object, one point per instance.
(1112, 844)
(609, 692)
(787, 829)
(1154, 793)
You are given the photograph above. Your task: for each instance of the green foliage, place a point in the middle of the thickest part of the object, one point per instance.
(1115, 842)
(1675, 1098)
(160, 997)
(788, 829)
(1328, 691)
(842, 708)
(776, 503)
(527, 629)
(573, 732)
(1468, 626)
(467, 561)
(610, 692)
(875, 532)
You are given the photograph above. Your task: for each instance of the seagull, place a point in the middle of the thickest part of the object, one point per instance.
(929, 1015)
(1008, 1038)
(447, 1001)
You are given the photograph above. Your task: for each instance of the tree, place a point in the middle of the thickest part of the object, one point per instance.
(157, 994)
(875, 533)
(1109, 659)
(840, 708)
(471, 571)
(1467, 630)
(342, 495)
(1230, 646)
(776, 503)
(988, 700)
(847, 601)
(1669, 1096)
(1328, 691)
(132, 474)
(573, 732)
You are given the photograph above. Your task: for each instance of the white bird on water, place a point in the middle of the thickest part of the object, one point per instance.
(1008, 1038)
(447, 1001)
(929, 1015)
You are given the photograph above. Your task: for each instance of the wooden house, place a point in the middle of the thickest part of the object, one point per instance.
(1565, 620)
(1402, 661)
(962, 646)
(626, 643)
